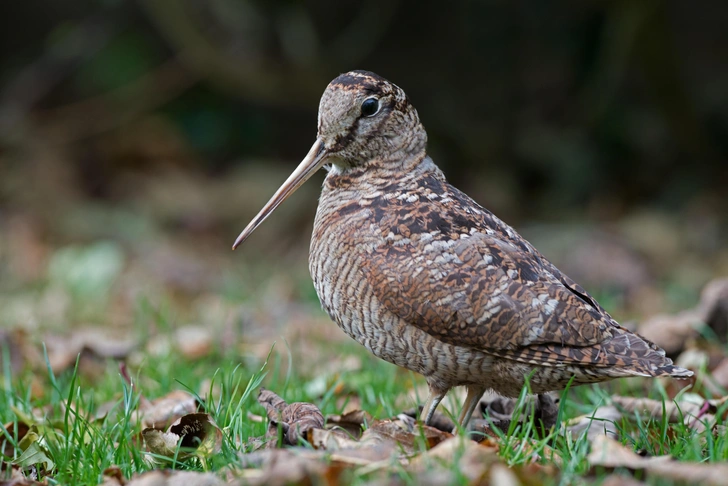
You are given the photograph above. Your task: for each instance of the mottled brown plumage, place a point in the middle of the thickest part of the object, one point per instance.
(426, 278)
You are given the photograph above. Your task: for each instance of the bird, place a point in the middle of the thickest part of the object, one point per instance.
(426, 278)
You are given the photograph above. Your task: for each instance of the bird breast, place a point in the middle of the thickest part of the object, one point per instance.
(342, 235)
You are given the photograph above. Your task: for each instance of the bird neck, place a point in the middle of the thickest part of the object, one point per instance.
(383, 172)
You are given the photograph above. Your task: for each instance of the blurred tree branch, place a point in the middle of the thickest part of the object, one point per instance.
(243, 78)
(110, 110)
(264, 80)
(37, 79)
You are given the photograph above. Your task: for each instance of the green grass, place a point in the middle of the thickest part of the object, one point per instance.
(81, 446)
(83, 423)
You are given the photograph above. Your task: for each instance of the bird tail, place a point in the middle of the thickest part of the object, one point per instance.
(645, 358)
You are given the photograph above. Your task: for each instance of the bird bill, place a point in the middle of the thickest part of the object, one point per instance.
(310, 164)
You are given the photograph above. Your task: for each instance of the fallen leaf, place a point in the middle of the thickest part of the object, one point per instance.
(353, 422)
(501, 475)
(720, 374)
(192, 434)
(198, 431)
(19, 478)
(294, 419)
(611, 454)
(472, 458)
(714, 307)
(689, 407)
(22, 429)
(35, 454)
(163, 443)
(113, 476)
(461, 461)
(276, 467)
(600, 422)
(163, 411)
(343, 448)
(405, 433)
(174, 478)
(95, 342)
(672, 332)
(331, 439)
(21, 352)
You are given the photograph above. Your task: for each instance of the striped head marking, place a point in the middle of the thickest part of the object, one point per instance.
(362, 116)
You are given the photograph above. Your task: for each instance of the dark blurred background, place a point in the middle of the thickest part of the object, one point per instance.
(599, 129)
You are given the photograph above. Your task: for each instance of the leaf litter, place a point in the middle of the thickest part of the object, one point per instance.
(301, 444)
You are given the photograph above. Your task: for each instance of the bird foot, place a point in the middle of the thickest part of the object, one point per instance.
(547, 412)
(500, 414)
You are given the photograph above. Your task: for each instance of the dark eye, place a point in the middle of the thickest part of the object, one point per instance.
(370, 107)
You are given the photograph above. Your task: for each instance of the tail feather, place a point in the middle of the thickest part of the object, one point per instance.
(642, 357)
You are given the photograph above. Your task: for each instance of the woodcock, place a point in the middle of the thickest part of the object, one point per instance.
(426, 278)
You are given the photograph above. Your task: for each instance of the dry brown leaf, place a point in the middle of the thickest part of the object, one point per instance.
(689, 407)
(353, 422)
(163, 411)
(382, 441)
(600, 422)
(192, 434)
(17, 478)
(672, 332)
(113, 476)
(720, 374)
(10, 428)
(22, 353)
(404, 432)
(286, 466)
(162, 443)
(97, 342)
(348, 402)
(473, 459)
(714, 307)
(331, 439)
(174, 478)
(501, 475)
(478, 462)
(348, 451)
(692, 410)
(611, 454)
(272, 403)
(294, 419)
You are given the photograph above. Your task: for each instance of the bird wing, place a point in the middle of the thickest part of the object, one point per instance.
(486, 292)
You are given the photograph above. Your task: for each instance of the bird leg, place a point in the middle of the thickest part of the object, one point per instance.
(471, 401)
(433, 400)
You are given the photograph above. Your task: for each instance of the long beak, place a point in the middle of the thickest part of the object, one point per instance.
(313, 162)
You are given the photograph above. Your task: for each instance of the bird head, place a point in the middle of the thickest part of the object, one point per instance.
(364, 118)
(364, 121)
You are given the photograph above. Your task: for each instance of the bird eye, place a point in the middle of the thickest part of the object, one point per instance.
(370, 107)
